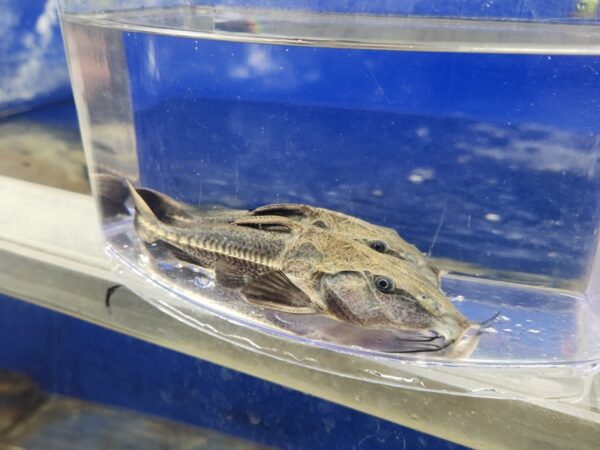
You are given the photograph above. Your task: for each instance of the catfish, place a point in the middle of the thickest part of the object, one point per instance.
(296, 267)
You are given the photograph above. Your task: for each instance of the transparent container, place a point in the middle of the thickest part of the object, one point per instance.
(469, 128)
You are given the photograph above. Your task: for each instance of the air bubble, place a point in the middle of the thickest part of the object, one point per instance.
(493, 217)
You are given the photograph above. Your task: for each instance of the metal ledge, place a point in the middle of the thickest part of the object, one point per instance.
(51, 254)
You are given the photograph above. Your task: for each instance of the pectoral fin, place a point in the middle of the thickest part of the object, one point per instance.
(275, 290)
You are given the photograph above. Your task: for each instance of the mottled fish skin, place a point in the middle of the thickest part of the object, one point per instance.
(213, 241)
(382, 239)
(295, 267)
(342, 282)
(238, 255)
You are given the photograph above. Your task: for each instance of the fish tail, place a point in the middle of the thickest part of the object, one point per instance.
(112, 194)
(141, 207)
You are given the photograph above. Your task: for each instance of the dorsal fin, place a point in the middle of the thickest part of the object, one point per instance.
(282, 209)
(294, 211)
(270, 223)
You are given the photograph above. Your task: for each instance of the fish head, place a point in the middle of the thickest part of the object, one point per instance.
(387, 241)
(381, 299)
(381, 239)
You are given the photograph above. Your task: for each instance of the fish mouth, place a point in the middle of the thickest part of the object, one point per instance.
(396, 341)
(390, 337)
(382, 340)
(413, 341)
(400, 341)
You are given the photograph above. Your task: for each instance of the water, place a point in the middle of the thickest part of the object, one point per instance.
(485, 161)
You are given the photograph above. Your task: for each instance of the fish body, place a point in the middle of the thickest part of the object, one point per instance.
(381, 239)
(289, 266)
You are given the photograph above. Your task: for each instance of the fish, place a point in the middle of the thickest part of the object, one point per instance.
(381, 239)
(293, 267)
(113, 193)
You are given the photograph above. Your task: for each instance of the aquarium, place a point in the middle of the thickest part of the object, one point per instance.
(300, 139)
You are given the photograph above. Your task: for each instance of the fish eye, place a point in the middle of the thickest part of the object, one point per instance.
(384, 284)
(378, 246)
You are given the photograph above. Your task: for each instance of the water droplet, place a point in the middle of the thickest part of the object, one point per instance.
(485, 389)
(202, 282)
